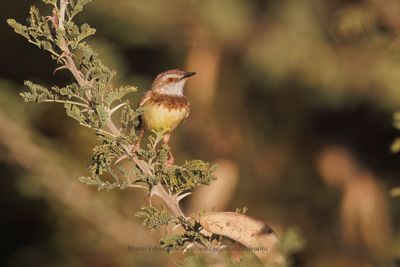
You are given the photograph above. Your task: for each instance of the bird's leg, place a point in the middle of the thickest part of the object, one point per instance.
(139, 140)
(171, 159)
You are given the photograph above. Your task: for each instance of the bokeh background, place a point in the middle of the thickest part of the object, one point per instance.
(293, 99)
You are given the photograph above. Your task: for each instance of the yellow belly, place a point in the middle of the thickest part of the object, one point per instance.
(157, 117)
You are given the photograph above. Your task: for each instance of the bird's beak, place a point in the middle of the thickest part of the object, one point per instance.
(187, 75)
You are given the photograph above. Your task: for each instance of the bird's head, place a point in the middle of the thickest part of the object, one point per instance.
(171, 82)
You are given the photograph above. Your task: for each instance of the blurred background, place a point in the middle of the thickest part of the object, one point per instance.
(293, 99)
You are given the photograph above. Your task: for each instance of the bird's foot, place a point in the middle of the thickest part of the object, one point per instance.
(136, 147)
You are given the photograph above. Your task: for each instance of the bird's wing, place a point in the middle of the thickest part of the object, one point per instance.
(145, 97)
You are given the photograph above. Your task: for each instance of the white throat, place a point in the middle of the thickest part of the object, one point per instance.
(173, 89)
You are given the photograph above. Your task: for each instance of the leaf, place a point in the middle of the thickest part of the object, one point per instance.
(86, 31)
(175, 241)
(192, 174)
(147, 165)
(118, 94)
(50, 2)
(102, 113)
(68, 91)
(72, 30)
(38, 31)
(130, 118)
(91, 180)
(18, 28)
(35, 17)
(74, 112)
(153, 218)
(37, 93)
(96, 182)
(77, 6)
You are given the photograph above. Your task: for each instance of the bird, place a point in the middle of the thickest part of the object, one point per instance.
(165, 107)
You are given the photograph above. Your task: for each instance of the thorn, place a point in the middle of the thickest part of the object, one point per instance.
(188, 247)
(61, 58)
(120, 159)
(116, 108)
(176, 227)
(180, 197)
(59, 68)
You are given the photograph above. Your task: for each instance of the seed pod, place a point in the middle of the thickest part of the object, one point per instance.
(257, 236)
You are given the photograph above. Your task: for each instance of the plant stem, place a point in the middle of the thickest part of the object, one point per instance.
(63, 8)
(67, 102)
(157, 190)
(169, 200)
(69, 62)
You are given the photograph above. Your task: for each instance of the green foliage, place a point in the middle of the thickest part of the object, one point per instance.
(183, 178)
(153, 218)
(96, 182)
(95, 70)
(93, 102)
(76, 7)
(130, 120)
(172, 242)
(38, 32)
(192, 235)
(37, 93)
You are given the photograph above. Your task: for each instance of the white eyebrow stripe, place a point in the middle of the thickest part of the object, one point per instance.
(172, 76)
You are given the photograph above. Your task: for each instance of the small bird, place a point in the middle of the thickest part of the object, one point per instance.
(165, 106)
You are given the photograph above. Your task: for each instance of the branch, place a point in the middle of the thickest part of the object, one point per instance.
(63, 8)
(66, 102)
(66, 53)
(157, 190)
(91, 100)
(170, 201)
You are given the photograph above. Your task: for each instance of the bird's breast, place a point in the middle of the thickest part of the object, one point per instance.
(167, 112)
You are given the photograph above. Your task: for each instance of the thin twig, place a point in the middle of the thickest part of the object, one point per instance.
(69, 62)
(157, 190)
(67, 102)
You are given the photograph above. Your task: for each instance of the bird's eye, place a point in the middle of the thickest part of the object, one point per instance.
(171, 79)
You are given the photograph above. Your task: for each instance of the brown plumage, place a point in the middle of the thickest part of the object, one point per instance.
(159, 81)
(164, 111)
(165, 106)
(168, 101)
